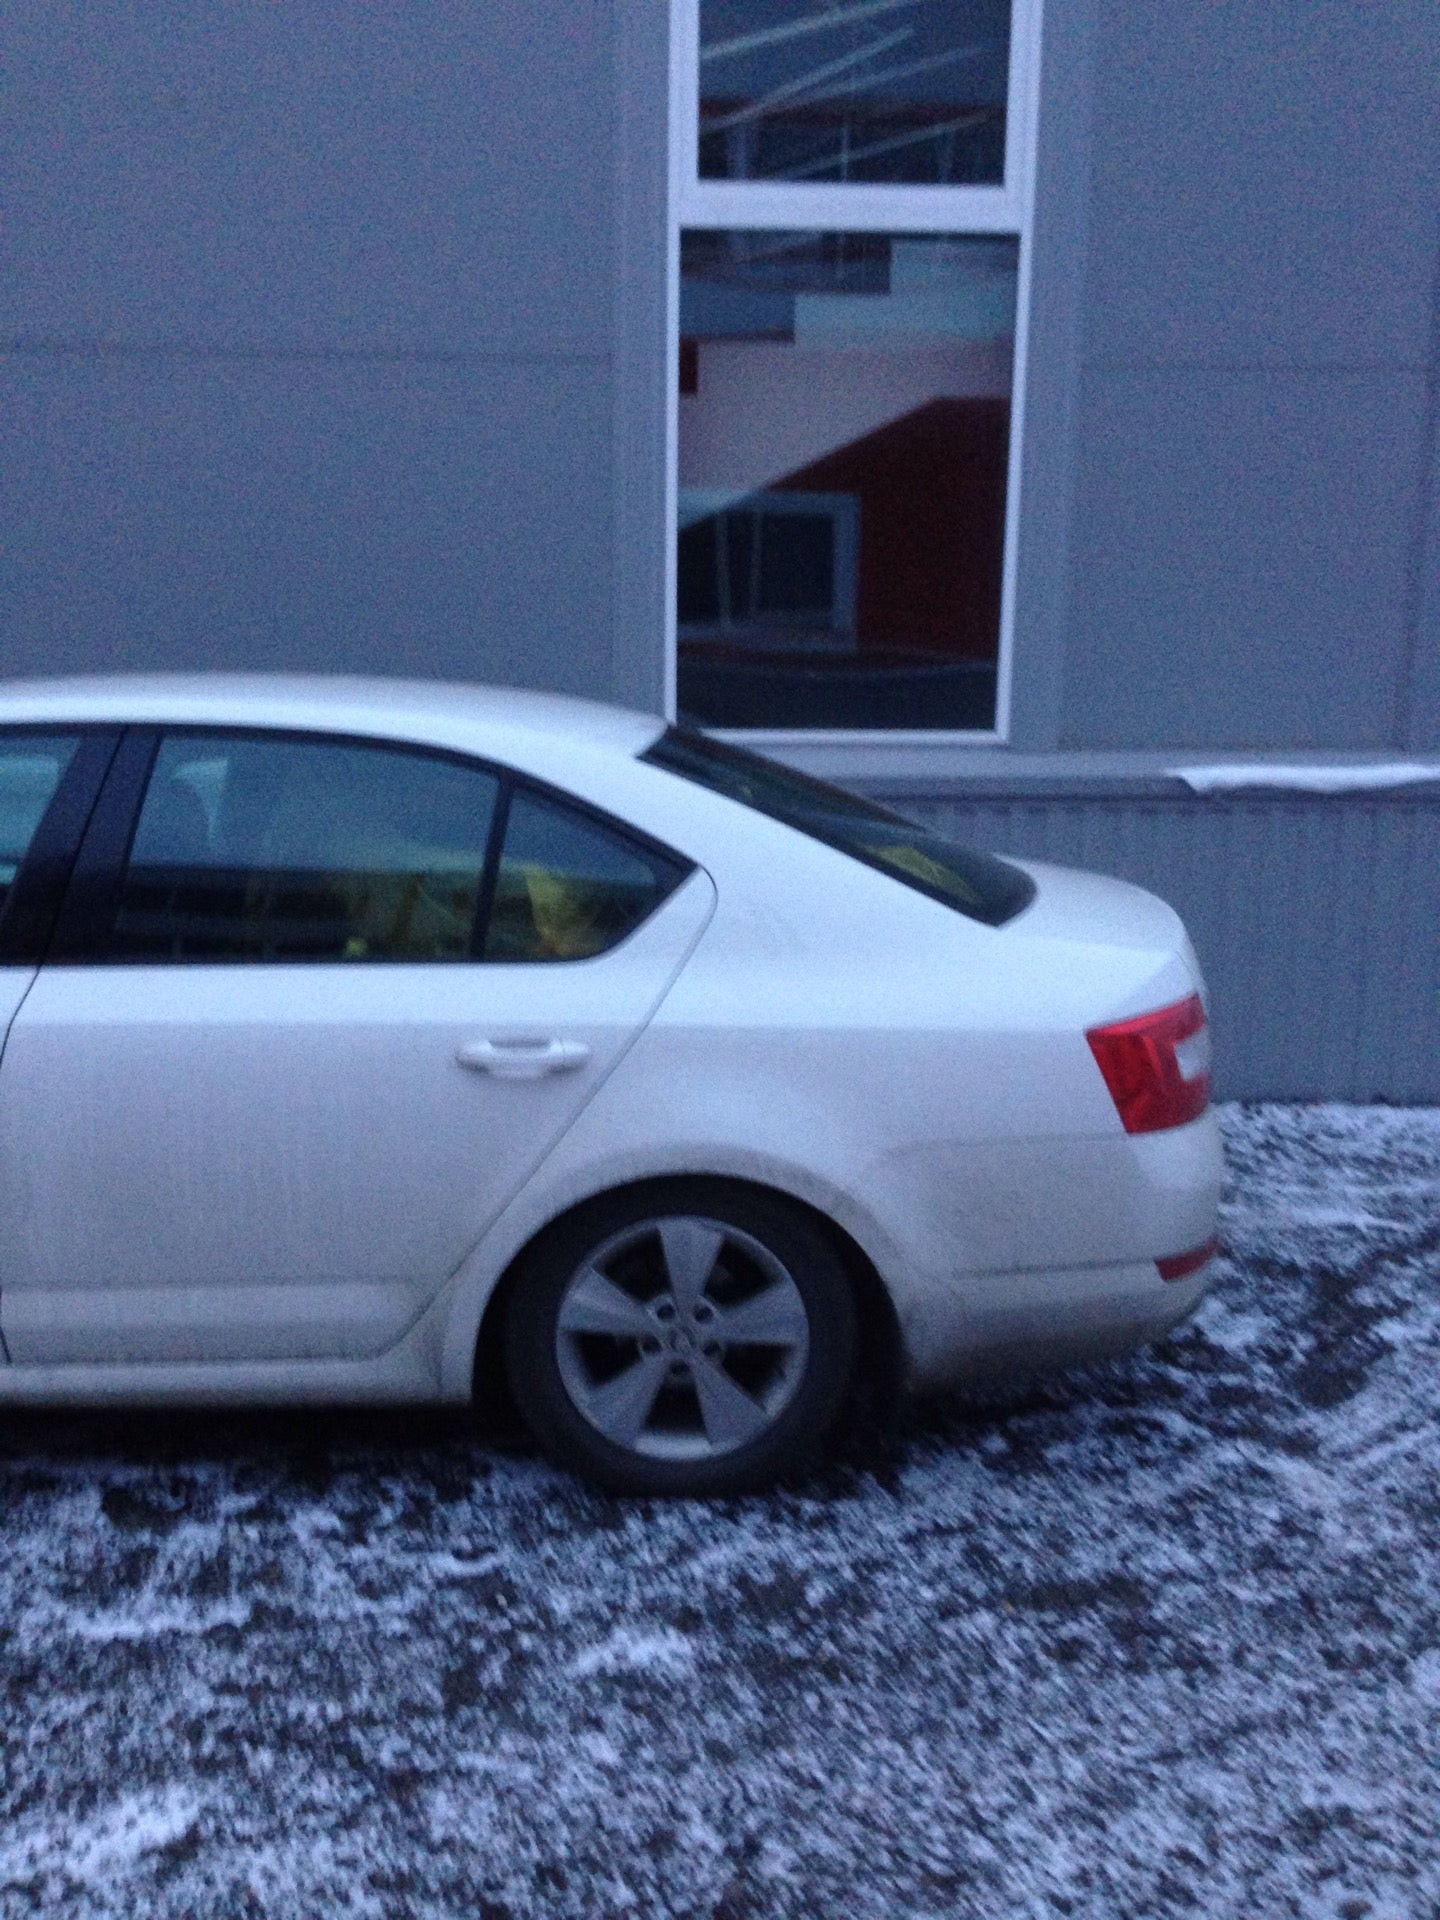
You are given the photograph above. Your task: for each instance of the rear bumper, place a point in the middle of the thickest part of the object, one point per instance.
(1081, 1283)
(1026, 1323)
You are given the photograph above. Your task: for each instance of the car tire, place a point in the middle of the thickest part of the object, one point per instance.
(687, 1337)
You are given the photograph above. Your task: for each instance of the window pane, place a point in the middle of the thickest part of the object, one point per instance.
(844, 439)
(976, 884)
(568, 887)
(908, 91)
(30, 768)
(305, 850)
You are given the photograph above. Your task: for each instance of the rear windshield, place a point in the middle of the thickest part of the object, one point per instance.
(975, 884)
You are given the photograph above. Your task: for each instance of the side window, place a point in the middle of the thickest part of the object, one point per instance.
(569, 887)
(295, 850)
(31, 765)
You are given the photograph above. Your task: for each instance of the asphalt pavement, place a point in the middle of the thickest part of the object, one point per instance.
(1160, 1638)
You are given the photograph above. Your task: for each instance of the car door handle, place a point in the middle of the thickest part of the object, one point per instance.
(523, 1059)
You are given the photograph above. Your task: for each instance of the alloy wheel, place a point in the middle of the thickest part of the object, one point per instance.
(681, 1338)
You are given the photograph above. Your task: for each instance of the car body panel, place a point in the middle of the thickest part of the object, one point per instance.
(821, 1029)
(230, 1162)
(920, 1079)
(15, 983)
(951, 1224)
(405, 1375)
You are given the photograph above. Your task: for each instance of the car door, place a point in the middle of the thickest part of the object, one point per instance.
(49, 778)
(302, 1036)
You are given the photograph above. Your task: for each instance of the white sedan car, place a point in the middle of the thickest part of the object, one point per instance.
(369, 1041)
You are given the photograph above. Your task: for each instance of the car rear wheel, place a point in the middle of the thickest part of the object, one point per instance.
(689, 1337)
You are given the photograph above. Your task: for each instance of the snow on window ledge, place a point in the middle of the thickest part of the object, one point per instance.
(1334, 778)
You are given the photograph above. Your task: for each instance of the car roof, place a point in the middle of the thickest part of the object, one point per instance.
(337, 703)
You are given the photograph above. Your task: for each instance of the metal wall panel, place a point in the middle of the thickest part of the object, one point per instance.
(1316, 918)
(1229, 512)
(1242, 551)
(310, 317)
(360, 515)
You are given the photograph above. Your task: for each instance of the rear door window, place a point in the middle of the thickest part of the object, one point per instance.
(288, 849)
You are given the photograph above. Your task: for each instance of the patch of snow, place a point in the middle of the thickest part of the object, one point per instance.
(107, 1844)
(628, 1651)
(1337, 777)
(152, 1621)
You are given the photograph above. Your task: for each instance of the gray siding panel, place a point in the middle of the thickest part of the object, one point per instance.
(236, 172)
(1317, 920)
(1241, 557)
(1418, 708)
(1226, 537)
(1051, 424)
(642, 354)
(371, 516)
(312, 314)
(1263, 187)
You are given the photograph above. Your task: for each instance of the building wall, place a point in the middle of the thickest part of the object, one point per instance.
(1229, 521)
(313, 337)
(336, 338)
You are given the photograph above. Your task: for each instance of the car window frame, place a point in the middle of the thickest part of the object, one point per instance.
(85, 922)
(36, 895)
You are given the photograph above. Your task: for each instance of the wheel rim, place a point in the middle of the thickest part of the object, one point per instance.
(682, 1338)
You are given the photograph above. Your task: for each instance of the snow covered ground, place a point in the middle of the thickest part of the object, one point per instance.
(1158, 1639)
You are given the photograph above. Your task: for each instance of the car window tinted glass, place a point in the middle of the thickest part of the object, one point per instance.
(568, 886)
(293, 850)
(30, 768)
(974, 883)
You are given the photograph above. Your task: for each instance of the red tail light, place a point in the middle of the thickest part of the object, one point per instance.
(1156, 1066)
(1178, 1266)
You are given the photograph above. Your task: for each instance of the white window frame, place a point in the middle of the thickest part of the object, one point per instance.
(855, 208)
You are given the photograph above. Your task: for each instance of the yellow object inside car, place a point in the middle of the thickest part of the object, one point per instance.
(566, 923)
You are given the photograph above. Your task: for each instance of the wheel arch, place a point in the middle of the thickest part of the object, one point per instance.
(879, 1375)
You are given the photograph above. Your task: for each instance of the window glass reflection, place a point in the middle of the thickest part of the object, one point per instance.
(904, 91)
(291, 850)
(30, 769)
(844, 434)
